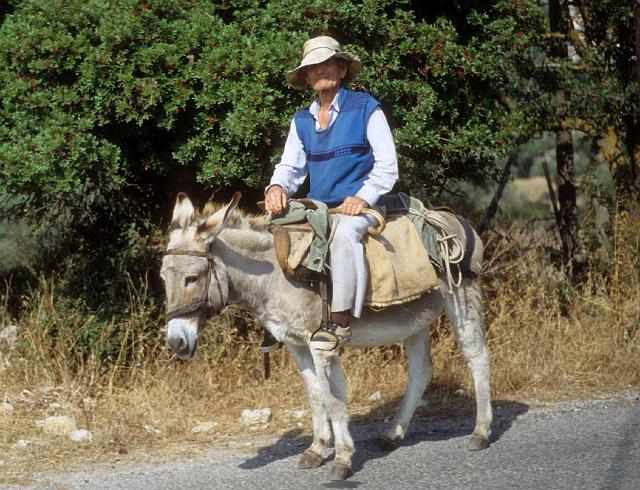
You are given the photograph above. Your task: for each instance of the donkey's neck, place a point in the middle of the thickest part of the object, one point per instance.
(257, 283)
(250, 269)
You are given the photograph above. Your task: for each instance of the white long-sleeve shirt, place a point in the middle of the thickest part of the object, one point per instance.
(292, 169)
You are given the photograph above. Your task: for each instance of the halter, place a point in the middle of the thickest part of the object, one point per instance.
(203, 304)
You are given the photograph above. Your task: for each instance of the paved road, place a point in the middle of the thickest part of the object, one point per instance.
(579, 445)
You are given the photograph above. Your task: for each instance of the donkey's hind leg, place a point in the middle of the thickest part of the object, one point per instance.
(315, 454)
(418, 351)
(464, 310)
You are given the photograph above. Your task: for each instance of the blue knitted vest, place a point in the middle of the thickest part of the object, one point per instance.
(340, 157)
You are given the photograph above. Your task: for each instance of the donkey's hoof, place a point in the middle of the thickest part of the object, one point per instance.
(385, 445)
(477, 442)
(310, 460)
(339, 472)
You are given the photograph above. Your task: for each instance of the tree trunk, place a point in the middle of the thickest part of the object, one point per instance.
(626, 175)
(636, 25)
(566, 182)
(492, 210)
(628, 184)
(566, 178)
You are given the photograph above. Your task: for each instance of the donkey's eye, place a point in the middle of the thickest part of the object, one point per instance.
(190, 280)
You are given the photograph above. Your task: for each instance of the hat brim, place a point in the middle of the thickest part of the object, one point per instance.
(296, 78)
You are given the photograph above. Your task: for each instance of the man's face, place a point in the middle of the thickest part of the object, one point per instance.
(326, 75)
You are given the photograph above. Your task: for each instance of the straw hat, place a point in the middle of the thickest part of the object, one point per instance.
(318, 50)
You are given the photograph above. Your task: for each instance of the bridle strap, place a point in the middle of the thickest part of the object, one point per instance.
(185, 310)
(203, 304)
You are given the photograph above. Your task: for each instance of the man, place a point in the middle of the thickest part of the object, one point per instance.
(344, 143)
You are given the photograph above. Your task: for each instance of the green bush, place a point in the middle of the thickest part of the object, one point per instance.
(110, 107)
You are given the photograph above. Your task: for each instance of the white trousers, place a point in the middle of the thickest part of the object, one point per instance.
(348, 269)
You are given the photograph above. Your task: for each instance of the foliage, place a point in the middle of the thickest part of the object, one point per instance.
(102, 99)
(600, 87)
(108, 108)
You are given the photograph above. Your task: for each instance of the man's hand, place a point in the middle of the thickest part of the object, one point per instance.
(275, 202)
(353, 205)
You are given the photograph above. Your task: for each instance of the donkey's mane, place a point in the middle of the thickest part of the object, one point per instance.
(238, 218)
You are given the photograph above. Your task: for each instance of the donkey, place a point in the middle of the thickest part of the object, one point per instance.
(219, 257)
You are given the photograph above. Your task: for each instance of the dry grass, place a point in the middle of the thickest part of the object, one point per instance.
(147, 400)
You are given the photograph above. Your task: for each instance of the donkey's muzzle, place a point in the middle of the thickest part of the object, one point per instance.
(182, 337)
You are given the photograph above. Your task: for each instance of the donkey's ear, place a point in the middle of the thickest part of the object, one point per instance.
(183, 212)
(214, 223)
(231, 206)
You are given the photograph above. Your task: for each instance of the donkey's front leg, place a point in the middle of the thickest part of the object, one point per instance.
(314, 455)
(332, 386)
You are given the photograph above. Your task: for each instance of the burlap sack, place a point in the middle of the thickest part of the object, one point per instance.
(399, 265)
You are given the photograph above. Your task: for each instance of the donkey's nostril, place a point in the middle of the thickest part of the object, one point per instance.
(178, 343)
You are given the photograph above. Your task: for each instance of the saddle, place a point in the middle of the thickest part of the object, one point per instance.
(400, 268)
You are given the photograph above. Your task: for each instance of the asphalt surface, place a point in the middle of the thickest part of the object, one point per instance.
(592, 444)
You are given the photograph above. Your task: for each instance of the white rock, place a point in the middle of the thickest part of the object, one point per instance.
(152, 430)
(297, 414)
(204, 427)
(6, 407)
(23, 443)
(9, 336)
(375, 396)
(60, 425)
(459, 392)
(1, 462)
(80, 435)
(261, 416)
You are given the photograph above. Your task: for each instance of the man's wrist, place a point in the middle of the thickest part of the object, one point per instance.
(269, 187)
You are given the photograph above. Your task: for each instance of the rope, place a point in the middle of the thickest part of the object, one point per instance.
(450, 246)
(453, 255)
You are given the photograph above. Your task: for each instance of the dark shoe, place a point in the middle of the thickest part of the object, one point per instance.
(330, 336)
(269, 343)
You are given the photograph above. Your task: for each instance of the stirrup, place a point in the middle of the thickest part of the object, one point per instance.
(330, 336)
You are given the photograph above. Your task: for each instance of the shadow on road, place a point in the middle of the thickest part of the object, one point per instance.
(457, 421)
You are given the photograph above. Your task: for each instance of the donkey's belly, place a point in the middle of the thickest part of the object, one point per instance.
(371, 335)
(396, 323)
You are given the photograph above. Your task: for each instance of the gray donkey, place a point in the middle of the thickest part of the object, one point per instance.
(222, 256)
